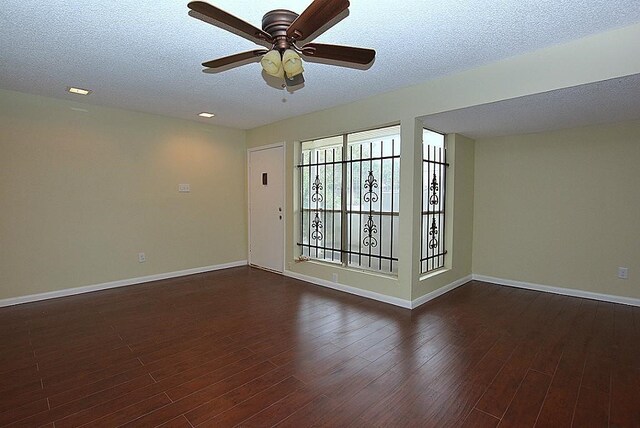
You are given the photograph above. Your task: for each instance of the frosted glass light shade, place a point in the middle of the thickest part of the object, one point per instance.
(292, 63)
(272, 63)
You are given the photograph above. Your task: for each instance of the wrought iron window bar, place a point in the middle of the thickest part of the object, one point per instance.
(349, 172)
(433, 250)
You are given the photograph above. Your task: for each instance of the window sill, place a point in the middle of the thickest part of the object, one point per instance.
(338, 265)
(437, 272)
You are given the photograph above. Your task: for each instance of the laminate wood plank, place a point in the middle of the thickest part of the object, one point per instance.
(139, 394)
(626, 337)
(19, 413)
(80, 407)
(434, 402)
(282, 409)
(592, 408)
(583, 327)
(64, 382)
(235, 405)
(13, 359)
(181, 362)
(307, 415)
(181, 385)
(498, 396)
(367, 398)
(404, 406)
(216, 346)
(21, 394)
(525, 406)
(307, 355)
(87, 363)
(206, 395)
(453, 406)
(504, 347)
(56, 352)
(201, 344)
(179, 422)
(555, 341)
(330, 381)
(559, 404)
(356, 380)
(597, 372)
(478, 419)
(470, 360)
(88, 389)
(132, 412)
(255, 404)
(410, 360)
(15, 379)
(604, 329)
(625, 397)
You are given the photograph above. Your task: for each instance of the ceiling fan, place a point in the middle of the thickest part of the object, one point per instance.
(286, 35)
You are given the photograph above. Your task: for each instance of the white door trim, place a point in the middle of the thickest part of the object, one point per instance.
(284, 198)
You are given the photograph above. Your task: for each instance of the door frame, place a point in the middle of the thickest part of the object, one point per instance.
(284, 200)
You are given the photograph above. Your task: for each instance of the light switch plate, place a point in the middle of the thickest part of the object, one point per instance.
(184, 188)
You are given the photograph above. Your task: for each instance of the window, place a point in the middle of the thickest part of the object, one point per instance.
(434, 173)
(349, 199)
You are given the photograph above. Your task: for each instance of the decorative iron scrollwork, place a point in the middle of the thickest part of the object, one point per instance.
(433, 199)
(317, 235)
(433, 232)
(317, 187)
(370, 183)
(370, 228)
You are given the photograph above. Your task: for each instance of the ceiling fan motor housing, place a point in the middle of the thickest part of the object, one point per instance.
(276, 23)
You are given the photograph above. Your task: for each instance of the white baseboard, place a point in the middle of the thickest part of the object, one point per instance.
(403, 303)
(439, 292)
(396, 301)
(113, 284)
(559, 290)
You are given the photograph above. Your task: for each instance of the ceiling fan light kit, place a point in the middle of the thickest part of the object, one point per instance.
(292, 63)
(281, 31)
(272, 64)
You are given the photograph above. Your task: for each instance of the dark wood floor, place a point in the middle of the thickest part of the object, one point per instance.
(250, 348)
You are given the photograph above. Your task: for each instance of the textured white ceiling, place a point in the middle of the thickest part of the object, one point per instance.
(601, 102)
(145, 55)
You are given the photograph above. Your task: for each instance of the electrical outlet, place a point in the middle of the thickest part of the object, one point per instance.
(623, 273)
(184, 188)
(334, 277)
(142, 258)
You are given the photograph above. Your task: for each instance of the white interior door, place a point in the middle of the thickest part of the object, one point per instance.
(266, 208)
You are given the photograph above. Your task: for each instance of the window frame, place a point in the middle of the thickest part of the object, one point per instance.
(434, 235)
(346, 210)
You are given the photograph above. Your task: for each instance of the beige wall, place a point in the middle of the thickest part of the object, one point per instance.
(560, 208)
(82, 192)
(600, 57)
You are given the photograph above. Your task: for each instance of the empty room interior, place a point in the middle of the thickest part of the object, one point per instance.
(302, 213)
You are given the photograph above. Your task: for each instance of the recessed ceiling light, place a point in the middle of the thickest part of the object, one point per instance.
(205, 114)
(78, 91)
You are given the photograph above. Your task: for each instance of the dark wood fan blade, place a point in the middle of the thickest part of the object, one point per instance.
(319, 13)
(231, 59)
(244, 28)
(339, 53)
